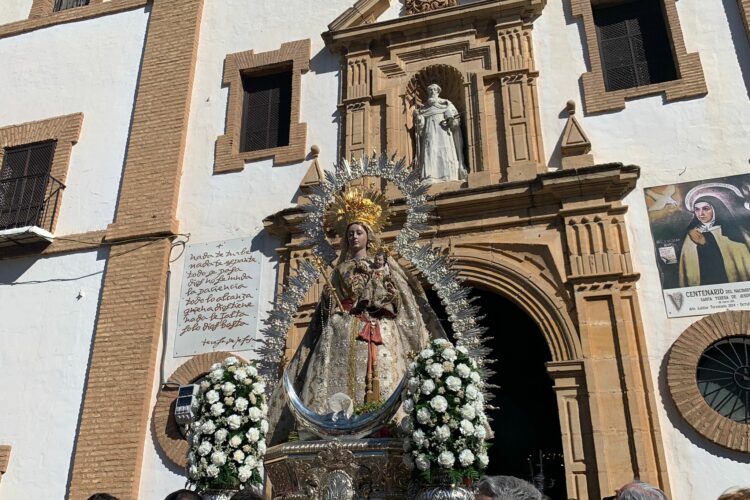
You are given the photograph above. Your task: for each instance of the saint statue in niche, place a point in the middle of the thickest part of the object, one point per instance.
(438, 140)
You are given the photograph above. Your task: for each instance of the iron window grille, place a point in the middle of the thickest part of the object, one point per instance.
(723, 377)
(634, 44)
(69, 4)
(29, 195)
(267, 111)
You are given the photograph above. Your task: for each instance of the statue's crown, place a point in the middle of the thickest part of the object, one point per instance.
(357, 205)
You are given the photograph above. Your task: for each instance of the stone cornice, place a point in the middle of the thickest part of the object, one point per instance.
(485, 9)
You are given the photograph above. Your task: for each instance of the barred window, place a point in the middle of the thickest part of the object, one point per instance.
(24, 183)
(69, 4)
(267, 110)
(634, 44)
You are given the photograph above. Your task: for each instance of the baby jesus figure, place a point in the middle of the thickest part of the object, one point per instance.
(379, 296)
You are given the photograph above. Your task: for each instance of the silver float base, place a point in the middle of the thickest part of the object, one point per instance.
(338, 470)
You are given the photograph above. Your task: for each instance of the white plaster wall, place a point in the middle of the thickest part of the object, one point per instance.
(14, 10)
(90, 67)
(671, 142)
(43, 362)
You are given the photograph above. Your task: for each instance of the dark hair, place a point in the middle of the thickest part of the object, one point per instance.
(102, 496)
(723, 217)
(183, 495)
(247, 494)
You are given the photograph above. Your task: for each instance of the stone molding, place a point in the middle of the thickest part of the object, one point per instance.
(690, 83)
(419, 6)
(65, 130)
(362, 12)
(4, 459)
(42, 16)
(166, 431)
(682, 365)
(228, 157)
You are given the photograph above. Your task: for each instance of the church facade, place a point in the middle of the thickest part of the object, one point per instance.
(580, 140)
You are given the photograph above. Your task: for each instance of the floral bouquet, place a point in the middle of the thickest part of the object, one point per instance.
(227, 443)
(445, 419)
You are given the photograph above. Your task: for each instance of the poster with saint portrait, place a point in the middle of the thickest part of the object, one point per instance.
(701, 233)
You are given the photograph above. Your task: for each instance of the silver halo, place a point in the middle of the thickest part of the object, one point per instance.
(355, 427)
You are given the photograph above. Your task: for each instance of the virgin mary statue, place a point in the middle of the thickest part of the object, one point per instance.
(372, 316)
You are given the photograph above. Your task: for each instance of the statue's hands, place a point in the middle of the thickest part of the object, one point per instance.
(697, 237)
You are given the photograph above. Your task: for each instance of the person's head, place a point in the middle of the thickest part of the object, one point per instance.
(183, 495)
(638, 490)
(102, 496)
(703, 211)
(736, 493)
(710, 209)
(247, 494)
(506, 488)
(379, 260)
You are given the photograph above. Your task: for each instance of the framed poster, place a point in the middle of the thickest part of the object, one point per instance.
(701, 234)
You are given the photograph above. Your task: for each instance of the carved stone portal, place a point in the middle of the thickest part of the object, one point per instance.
(338, 470)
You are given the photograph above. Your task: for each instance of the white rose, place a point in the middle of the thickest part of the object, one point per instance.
(446, 459)
(254, 413)
(218, 458)
(227, 388)
(472, 392)
(480, 432)
(253, 435)
(422, 462)
(208, 427)
(238, 456)
(418, 437)
(408, 461)
(449, 355)
(261, 448)
(220, 436)
(408, 405)
(463, 370)
(264, 409)
(251, 462)
(475, 377)
(442, 432)
(427, 353)
(428, 386)
(453, 383)
(413, 384)
(412, 366)
(259, 388)
(466, 457)
(212, 397)
(467, 428)
(479, 406)
(240, 404)
(483, 459)
(435, 370)
(251, 370)
(423, 416)
(264, 426)
(468, 411)
(216, 375)
(440, 342)
(244, 473)
(439, 404)
(234, 422)
(212, 471)
(205, 448)
(217, 409)
(231, 361)
(205, 384)
(193, 472)
(235, 441)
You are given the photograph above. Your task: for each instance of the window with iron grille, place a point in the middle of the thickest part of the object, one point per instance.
(69, 4)
(634, 44)
(267, 110)
(25, 184)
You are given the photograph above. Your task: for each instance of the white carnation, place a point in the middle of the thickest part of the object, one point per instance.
(462, 350)
(264, 409)
(205, 384)
(442, 432)
(261, 448)
(449, 355)
(480, 432)
(208, 427)
(439, 404)
(264, 426)
(440, 342)
(216, 375)
(231, 361)
(254, 413)
(408, 405)
(428, 386)
(472, 392)
(466, 457)
(251, 462)
(418, 437)
(212, 396)
(220, 436)
(215, 366)
(427, 353)
(467, 428)
(212, 471)
(413, 384)
(483, 459)
(252, 371)
(435, 370)
(259, 388)
(475, 377)
(423, 416)
(217, 409)
(193, 472)
(234, 422)
(205, 448)
(227, 388)
(448, 366)
(253, 435)
(463, 370)
(446, 459)
(238, 456)
(235, 441)
(240, 404)
(244, 473)
(453, 383)
(468, 411)
(422, 462)
(218, 458)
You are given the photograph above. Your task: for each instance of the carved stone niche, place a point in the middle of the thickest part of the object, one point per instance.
(480, 53)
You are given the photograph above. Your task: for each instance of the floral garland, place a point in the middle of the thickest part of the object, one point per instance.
(446, 421)
(228, 442)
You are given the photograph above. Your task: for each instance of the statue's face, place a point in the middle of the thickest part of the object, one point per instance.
(356, 236)
(433, 91)
(703, 212)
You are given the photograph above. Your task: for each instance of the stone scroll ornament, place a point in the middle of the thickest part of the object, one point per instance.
(428, 260)
(418, 6)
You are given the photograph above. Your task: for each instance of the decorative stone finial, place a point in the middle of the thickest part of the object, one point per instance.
(575, 144)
